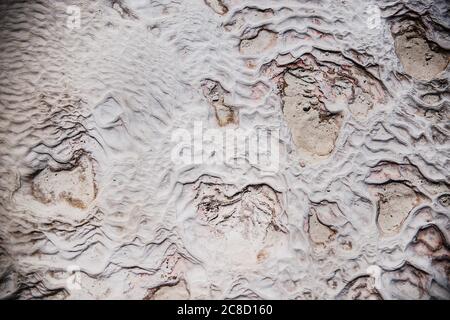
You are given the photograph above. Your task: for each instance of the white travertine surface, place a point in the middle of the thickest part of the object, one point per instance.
(92, 206)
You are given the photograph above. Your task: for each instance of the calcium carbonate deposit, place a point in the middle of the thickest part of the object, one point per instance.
(224, 149)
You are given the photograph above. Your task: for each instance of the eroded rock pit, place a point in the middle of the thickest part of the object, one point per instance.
(316, 96)
(420, 57)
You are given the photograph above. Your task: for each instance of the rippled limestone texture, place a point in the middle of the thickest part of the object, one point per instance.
(92, 205)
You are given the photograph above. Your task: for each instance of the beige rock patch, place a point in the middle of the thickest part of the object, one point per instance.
(420, 58)
(317, 93)
(248, 15)
(319, 232)
(395, 202)
(75, 187)
(263, 41)
(314, 130)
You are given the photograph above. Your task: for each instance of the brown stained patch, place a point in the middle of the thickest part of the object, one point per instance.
(76, 186)
(421, 58)
(395, 202)
(224, 115)
(40, 195)
(217, 6)
(361, 288)
(215, 94)
(346, 245)
(250, 64)
(262, 42)
(262, 255)
(74, 202)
